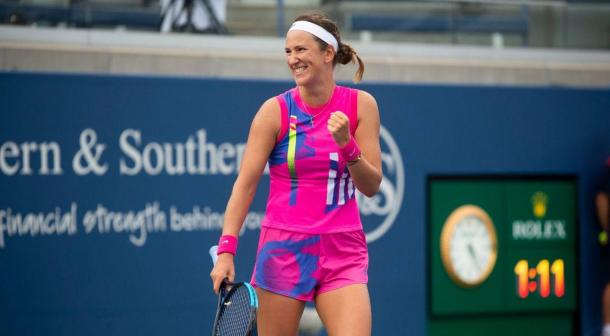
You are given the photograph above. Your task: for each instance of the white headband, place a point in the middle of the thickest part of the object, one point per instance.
(317, 31)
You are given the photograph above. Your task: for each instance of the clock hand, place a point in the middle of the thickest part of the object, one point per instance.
(474, 256)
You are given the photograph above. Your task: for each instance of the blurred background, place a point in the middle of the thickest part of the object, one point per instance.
(123, 124)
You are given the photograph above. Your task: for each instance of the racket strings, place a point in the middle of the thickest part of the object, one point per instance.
(237, 315)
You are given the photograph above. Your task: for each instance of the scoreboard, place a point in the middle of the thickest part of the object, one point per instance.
(502, 256)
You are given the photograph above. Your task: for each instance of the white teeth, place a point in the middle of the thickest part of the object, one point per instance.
(299, 69)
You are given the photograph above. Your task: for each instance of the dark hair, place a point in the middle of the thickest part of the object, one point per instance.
(345, 54)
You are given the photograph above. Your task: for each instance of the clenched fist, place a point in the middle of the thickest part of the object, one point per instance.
(338, 126)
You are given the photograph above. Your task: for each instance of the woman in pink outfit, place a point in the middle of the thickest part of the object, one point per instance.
(321, 141)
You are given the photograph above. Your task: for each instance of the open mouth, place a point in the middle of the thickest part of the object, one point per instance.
(299, 69)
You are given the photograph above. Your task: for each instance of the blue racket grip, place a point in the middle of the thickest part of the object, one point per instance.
(213, 254)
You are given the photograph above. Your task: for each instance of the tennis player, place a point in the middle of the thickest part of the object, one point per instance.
(321, 141)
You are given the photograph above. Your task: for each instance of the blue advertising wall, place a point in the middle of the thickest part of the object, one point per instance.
(113, 188)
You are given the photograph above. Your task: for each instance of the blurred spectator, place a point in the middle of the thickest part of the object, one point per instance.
(602, 205)
(16, 19)
(202, 16)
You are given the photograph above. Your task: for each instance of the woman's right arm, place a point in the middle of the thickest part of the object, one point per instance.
(261, 140)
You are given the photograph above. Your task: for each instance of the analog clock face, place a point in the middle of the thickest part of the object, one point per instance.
(469, 245)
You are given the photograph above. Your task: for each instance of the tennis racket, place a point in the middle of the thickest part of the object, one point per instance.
(237, 304)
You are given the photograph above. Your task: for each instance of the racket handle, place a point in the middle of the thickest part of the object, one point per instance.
(213, 254)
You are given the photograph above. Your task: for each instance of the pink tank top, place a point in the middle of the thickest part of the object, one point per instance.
(311, 189)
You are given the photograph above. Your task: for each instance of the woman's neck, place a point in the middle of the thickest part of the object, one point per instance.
(317, 95)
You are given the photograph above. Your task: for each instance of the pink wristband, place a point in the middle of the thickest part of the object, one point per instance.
(351, 151)
(227, 244)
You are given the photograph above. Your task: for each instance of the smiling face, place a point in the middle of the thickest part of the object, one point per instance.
(306, 61)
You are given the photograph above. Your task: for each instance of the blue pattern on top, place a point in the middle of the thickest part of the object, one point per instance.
(279, 154)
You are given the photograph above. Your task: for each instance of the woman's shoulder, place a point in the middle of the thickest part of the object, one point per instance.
(366, 103)
(365, 96)
(270, 106)
(267, 117)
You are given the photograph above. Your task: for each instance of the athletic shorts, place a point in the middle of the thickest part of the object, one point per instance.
(301, 266)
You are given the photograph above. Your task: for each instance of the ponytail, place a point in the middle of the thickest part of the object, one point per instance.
(347, 54)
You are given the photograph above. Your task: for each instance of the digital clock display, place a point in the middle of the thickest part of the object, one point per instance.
(535, 269)
(546, 278)
(532, 284)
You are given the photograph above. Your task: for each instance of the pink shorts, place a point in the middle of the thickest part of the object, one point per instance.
(301, 266)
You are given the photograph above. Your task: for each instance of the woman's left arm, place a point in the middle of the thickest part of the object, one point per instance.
(366, 172)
